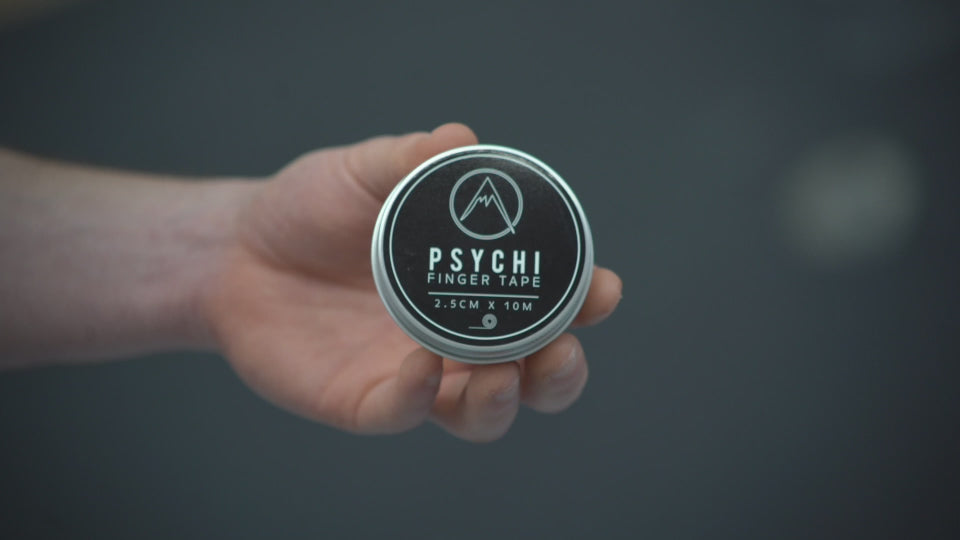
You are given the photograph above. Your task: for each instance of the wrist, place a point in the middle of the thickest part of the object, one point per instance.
(102, 264)
(204, 229)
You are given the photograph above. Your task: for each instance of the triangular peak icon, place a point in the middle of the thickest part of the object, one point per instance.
(488, 194)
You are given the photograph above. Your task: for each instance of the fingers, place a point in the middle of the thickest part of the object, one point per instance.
(479, 405)
(554, 376)
(402, 402)
(604, 294)
(441, 139)
(378, 164)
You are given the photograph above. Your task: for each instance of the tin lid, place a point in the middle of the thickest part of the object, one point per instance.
(482, 254)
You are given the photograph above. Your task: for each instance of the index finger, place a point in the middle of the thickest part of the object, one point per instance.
(605, 292)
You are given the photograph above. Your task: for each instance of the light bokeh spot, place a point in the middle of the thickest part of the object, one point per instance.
(852, 199)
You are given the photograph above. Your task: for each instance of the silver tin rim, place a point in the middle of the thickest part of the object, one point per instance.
(479, 354)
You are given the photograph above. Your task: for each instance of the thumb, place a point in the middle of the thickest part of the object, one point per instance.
(378, 164)
(403, 401)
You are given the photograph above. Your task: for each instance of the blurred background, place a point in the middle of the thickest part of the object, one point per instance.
(776, 183)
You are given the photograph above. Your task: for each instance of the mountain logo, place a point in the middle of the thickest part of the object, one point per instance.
(486, 204)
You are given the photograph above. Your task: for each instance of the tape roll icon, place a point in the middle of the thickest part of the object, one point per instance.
(488, 322)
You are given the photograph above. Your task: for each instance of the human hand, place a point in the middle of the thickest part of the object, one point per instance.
(295, 309)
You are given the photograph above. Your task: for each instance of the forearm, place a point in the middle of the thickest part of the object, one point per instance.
(97, 264)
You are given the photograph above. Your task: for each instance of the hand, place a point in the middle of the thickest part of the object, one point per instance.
(296, 311)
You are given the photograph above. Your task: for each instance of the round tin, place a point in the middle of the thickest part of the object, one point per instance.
(482, 254)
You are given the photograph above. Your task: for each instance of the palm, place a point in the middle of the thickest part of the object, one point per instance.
(296, 308)
(310, 305)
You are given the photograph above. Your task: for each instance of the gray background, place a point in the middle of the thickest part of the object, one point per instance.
(772, 372)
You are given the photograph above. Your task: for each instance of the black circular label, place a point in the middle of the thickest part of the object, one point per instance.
(484, 246)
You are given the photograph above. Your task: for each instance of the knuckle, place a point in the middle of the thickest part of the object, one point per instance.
(566, 383)
(559, 397)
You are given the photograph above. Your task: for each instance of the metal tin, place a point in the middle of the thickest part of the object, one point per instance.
(482, 254)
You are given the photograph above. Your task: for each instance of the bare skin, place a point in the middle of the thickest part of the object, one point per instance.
(274, 274)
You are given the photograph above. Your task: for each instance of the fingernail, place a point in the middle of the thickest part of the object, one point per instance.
(509, 393)
(568, 365)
